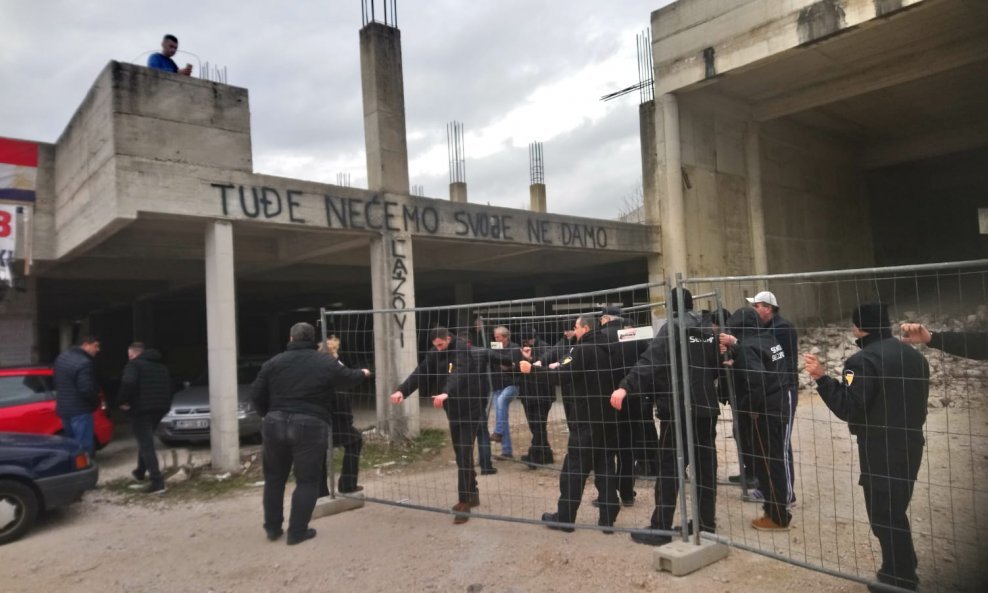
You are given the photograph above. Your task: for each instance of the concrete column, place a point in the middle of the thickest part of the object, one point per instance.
(221, 336)
(395, 346)
(673, 216)
(650, 195)
(458, 191)
(536, 195)
(756, 216)
(384, 108)
(65, 335)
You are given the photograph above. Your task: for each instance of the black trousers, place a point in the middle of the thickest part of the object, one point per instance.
(644, 437)
(299, 441)
(620, 463)
(887, 502)
(772, 465)
(464, 433)
(144, 424)
(537, 415)
(704, 473)
(350, 439)
(746, 444)
(582, 457)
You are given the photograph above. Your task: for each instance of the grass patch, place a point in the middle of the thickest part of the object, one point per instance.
(204, 484)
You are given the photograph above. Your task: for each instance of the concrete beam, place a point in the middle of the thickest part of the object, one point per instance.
(846, 85)
(298, 257)
(936, 143)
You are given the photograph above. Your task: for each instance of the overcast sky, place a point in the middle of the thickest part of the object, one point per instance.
(513, 71)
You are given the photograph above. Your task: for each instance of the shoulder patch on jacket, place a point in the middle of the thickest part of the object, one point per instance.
(848, 378)
(450, 369)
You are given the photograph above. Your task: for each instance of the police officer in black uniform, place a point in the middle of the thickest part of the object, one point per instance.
(882, 395)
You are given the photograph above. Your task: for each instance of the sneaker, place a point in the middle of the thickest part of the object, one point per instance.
(488, 471)
(274, 534)
(507, 455)
(474, 500)
(292, 539)
(354, 491)
(608, 528)
(554, 518)
(496, 437)
(767, 524)
(753, 496)
(138, 475)
(156, 488)
(461, 507)
(649, 537)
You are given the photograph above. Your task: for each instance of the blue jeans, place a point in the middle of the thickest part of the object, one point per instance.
(299, 441)
(502, 399)
(80, 428)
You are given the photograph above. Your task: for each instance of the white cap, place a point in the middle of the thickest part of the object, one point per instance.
(764, 297)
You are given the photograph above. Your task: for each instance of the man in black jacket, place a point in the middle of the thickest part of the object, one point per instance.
(758, 370)
(652, 375)
(592, 424)
(882, 395)
(77, 392)
(624, 355)
(537, 395)
(462, 396)
(146, 391)
(295, 394)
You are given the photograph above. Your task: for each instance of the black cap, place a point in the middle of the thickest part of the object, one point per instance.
(612, 310)
(871, 317)
(687, 300)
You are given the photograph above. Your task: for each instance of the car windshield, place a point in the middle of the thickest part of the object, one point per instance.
(27, 389)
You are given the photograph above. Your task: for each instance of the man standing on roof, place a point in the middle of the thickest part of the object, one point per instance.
(163, 60)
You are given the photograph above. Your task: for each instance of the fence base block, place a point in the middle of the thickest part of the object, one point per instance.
(680, 558)
(327, 505)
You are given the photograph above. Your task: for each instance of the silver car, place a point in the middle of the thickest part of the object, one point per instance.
(189, 418)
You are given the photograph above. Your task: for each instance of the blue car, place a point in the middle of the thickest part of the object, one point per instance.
(37, 473)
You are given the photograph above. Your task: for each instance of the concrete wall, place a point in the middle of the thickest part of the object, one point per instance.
(717, 227)
(816, 213)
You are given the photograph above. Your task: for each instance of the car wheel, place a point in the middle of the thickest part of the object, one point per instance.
(18, 510)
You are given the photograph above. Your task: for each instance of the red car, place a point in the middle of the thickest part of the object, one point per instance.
(27, 404)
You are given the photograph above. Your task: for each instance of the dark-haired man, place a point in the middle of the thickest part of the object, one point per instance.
(882, 395)
(295, 393)
(163, 60)
(77, 392)
(146, 392)
(462, 396)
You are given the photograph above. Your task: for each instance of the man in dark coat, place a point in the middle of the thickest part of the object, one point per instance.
(295, 393)
(146, 391)
(537, 395)
(77, 392)
(653, 375)
(758, 371)
(767, 307)
(882, 395)
(592, 424)
(462, 395)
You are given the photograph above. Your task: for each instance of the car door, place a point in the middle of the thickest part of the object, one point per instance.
(27, 403)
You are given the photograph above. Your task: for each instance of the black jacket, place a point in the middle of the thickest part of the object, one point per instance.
(973, 345)
(787, 337)
(463, 375)
(502, 366)
(758, 370)
(882, 395)
(537, 385)
(301, 380)
(146, 384)
(76, 389)
(652, 374)
(586, 368)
